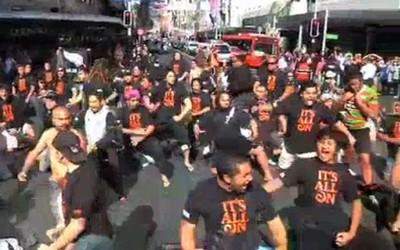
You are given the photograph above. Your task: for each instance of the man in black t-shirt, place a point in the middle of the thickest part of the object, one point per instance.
(13, 110)
(231, 205)
(300, 118)
(85, 210)
(318, 218)
(140, 127)
(241, 83)
(174, 107)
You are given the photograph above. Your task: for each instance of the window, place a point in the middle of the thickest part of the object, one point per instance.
(222, 48)
(241, 44)
(263, 47)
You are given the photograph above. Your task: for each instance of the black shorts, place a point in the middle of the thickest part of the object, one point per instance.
(363, 140)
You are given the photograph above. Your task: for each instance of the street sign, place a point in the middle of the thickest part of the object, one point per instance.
(140, 32)
(330, 36)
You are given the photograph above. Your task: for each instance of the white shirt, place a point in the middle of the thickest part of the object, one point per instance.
(96, 125)
(368, 71)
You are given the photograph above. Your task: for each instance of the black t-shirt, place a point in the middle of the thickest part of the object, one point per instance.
(275, 83)
(200, 101)
(230, 218)
(323, 185)
(22, 85)
(135, 118)
(265, 128)
(62, 88)
(303, 123)
(224, 123)
(48, 77)
(157, 72)
(171, 99)
(83, 197)
(14, 112)
(240, 80)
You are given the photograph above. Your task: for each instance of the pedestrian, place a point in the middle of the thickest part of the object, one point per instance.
(86, 222)
(318, 219)
(62, 121)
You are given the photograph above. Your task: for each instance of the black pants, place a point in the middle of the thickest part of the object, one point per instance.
(151, 146)
(110, 169)
(174, 130)
(315, 228)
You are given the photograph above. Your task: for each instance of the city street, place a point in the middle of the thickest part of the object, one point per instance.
(149, 218)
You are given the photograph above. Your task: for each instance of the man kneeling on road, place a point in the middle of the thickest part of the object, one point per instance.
(85, 210)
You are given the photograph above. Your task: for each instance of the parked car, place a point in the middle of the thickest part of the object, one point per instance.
(223, 51)
(191, 47)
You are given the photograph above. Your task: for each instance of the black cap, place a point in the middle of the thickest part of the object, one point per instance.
(51, 94)
(68, 144)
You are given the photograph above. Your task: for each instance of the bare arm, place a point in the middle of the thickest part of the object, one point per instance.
(254, 128)
(34, 153)
(278, 233)
(188, 235)
(356, 217)
(395, 176)
(70, 233)
(203, 111)
(388, 139)
(344, 238)
(187, 107)
(111, 97)
(139, 131)
(282, 119)
(273, 185)
(366, 110)
(77, 98)
(339, 126)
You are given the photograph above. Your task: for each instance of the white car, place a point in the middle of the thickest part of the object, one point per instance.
(223, 51)
(192, 46)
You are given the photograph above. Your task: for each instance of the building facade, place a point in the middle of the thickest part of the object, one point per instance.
(362, 26)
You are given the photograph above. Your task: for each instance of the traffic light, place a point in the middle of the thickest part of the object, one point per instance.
(315, 25)
(127, 18)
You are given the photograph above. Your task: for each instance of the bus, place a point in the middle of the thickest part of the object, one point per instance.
(256, 47)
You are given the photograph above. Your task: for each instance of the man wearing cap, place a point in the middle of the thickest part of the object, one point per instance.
(62, 121)
(84, 206)
(140, 127)
(50, 101)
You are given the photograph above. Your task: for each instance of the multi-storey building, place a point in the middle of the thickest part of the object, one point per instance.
(356, 25)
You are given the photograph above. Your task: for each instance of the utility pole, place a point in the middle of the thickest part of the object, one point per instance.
(315, 9)
(129, 8)
(325, 32)
(300, 38)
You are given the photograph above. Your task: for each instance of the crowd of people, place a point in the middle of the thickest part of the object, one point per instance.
(299, 120)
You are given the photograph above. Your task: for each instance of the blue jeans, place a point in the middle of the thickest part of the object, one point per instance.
(94, 242)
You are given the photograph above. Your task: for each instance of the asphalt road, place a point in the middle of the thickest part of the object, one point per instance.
(147, 220)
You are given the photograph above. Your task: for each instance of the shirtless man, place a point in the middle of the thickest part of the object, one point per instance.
(61, 118)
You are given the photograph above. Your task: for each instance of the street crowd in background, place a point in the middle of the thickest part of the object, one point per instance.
(302, 119)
